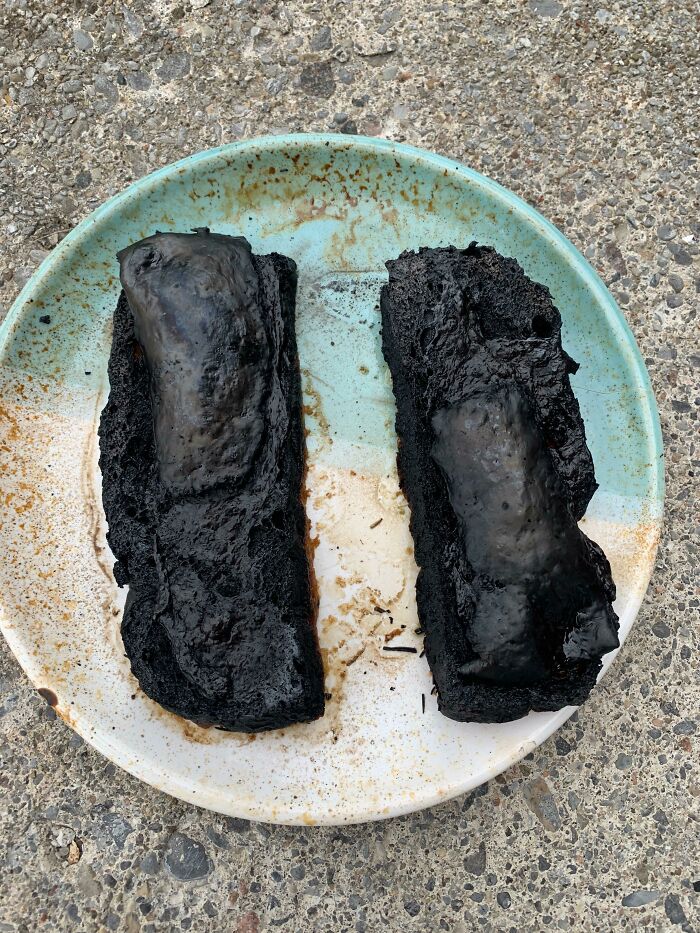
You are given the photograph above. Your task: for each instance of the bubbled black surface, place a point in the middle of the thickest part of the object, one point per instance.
(514, 599)
(202, 457)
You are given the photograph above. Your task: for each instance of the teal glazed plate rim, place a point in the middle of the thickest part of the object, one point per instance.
(340, 206)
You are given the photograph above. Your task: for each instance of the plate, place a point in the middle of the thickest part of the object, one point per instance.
(340, 206)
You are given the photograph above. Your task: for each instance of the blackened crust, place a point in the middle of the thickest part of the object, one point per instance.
(219, 621)
(491, 439)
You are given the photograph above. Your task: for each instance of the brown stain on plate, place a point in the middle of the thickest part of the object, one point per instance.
(311, 209)
(629, 548)
(91, 496)
(48, 695)
(67, 717)
(314, 408)
(11, 432)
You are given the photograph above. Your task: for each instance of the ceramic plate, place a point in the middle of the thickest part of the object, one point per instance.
(340, 206)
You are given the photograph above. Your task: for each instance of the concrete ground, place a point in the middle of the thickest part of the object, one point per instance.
(587, 110)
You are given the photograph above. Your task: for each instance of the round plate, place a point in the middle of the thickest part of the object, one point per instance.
(340, 206)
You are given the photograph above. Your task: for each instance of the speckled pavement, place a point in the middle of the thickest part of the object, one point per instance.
(589, 112)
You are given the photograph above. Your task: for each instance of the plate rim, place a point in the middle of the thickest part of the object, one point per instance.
(149, 773)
